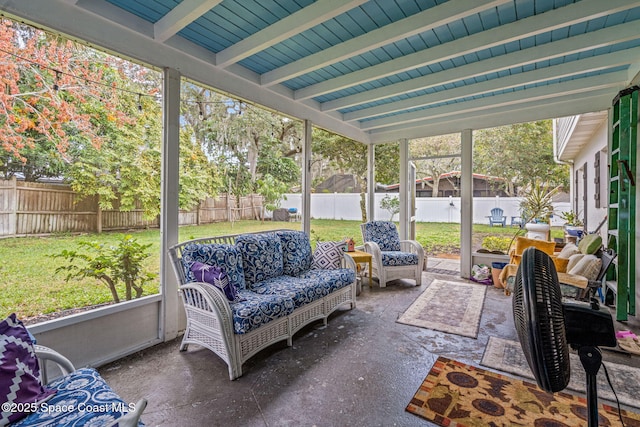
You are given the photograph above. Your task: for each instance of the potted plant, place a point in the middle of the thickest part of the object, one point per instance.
(573, 224)
(536, 209)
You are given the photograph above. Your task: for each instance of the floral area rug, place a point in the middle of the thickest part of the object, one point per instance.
(447, 306)
(455, 394)
(507, 356)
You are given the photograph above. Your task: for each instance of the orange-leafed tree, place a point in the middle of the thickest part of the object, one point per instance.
(48, 85)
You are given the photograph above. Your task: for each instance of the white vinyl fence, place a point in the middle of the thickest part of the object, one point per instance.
(428, 209)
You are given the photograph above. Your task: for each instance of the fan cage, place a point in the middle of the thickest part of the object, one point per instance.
(539, 320)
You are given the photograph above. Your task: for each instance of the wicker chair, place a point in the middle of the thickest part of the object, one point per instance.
(392, 258)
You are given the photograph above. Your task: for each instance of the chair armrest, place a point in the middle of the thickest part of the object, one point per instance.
(374, 250)
(348, 262)
(45, 354)
(411, 246)
(132, 417)
(202, 296)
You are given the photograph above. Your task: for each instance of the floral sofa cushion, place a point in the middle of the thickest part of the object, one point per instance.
(329, 280)
(300, 291)
(84, 388)
(296, 252)
(226, 257)
(384, 233)
(256, 310)
(393, 258)
(261, 256)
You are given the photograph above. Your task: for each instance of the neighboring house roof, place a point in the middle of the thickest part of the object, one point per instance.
(452, 174)
(339, 183)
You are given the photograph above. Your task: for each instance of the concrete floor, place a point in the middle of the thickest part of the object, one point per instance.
(360, 370)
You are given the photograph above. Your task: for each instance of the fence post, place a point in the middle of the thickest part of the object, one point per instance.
(198, 212)
(99, 219)
(13, 207)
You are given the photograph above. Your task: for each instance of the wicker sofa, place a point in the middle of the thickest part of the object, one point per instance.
(277, 291)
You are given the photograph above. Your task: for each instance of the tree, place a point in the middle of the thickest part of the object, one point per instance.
(344, 154)
(125, 167)
(272, 192)
(521, 153)
(390, 204)
(46, 81)
(443, 145)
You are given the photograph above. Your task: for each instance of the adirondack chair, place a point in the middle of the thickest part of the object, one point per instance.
(497, 217)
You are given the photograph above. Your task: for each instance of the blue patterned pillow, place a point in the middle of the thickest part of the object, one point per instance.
(328, 256)
(19, 371)
(261, 256)
(296, 252)
(384, 233)
(217, 277)
(217, 255)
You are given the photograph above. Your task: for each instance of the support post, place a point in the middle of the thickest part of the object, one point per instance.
(404, 189)
(371, 182)
(466, 204)
(306, 178)
(170, 187)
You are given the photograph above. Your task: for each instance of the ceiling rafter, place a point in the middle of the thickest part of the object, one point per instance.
(537, 110)
(568, 15)
(179, 17)
(302, 20)
(593, 64)
(596, 39)
(390, 33)
(618, 78)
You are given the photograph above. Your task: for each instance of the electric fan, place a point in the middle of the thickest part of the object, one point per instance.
(547, 327)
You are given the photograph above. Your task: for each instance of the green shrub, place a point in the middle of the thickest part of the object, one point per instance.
(110, 264)
(496, 243)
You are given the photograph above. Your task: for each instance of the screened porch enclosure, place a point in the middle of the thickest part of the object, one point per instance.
(374, 71)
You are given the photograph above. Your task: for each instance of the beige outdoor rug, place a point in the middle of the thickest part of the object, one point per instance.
(451, 307)
(507, 356)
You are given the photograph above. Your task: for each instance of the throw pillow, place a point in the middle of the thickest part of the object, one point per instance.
(328, 256)
(217, 277)
(545, 246)
(19, 372)
(296, 252)
(590, 244)
(588, 266)
(561, 264)
(261, 256)
(573, 260)
(218, 255)
(568, 250)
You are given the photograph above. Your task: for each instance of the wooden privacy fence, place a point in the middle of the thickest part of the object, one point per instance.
(28, 208)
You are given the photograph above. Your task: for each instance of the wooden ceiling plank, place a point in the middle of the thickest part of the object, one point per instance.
(302, 20)
(597, 39)
(180, 16)
(568, 69)
(615, 79)
(431, 18)
(568, 15)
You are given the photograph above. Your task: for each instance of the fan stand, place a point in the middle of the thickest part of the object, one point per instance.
(591, 358)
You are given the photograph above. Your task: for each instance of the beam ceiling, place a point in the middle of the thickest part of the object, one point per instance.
(375, 70)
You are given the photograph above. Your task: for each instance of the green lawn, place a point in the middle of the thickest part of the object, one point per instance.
(29, 287)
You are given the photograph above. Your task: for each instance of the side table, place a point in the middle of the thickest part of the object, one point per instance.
(363, 257)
